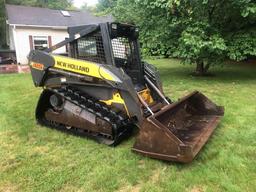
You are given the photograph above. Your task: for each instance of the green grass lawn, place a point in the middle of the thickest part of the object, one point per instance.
(35, 158)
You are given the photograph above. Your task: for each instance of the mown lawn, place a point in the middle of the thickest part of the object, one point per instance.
(35, 158)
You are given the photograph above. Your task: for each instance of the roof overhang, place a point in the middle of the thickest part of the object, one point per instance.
(36, 26)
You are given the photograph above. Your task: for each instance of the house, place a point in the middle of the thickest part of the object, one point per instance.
(31, 28)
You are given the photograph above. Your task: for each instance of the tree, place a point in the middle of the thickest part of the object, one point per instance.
(53, 4)
(199, 32)
(105, 6)
(86, 7)
(2, 25)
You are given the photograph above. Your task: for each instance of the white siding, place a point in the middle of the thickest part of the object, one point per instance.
(22, 45)
(10, 40)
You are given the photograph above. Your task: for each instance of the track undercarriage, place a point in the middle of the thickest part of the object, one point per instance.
(70, 110)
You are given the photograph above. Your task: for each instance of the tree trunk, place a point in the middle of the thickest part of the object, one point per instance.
(201, 69)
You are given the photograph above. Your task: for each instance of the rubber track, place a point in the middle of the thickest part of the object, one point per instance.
(118, 120)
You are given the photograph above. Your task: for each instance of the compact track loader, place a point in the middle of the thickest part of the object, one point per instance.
(103, 90)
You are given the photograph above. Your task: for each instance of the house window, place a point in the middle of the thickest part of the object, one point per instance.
(40, 42)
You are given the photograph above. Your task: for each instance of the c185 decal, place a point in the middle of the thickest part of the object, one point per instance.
(38, 66)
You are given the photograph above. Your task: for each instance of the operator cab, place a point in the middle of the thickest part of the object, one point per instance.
(111, 44)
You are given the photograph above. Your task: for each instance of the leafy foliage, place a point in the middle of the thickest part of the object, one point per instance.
(2, 25)
(105, 6)
(202, 32)
(54, 4)
(86, 7)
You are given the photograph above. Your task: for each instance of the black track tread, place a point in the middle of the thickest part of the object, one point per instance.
(101, 110)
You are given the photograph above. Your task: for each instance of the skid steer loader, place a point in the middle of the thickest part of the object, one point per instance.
(103, 90)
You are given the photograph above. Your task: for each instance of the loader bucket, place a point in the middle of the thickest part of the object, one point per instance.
(179, 130)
